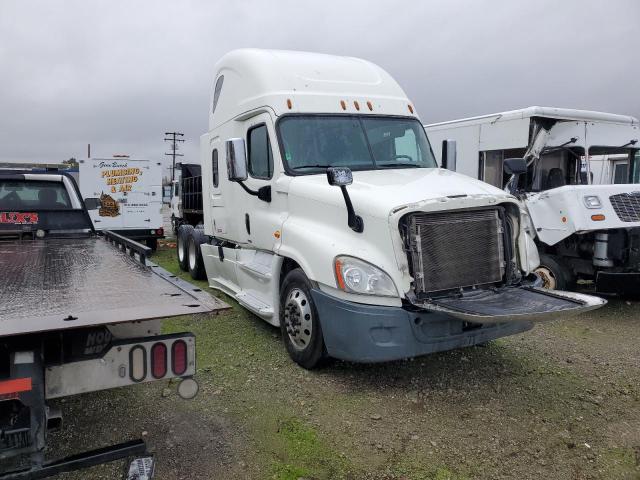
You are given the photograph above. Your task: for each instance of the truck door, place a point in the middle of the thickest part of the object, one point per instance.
(261, 220)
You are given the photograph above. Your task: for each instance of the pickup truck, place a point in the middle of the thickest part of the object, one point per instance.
(80, 313)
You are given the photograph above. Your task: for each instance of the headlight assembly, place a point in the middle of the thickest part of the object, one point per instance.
(357, 276)
(592, 201)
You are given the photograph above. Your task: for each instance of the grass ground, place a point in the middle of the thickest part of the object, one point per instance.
(561, 401)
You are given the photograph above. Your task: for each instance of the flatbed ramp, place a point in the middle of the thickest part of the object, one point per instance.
(57, 284)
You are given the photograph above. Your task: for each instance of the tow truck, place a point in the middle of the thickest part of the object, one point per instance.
(80, 313)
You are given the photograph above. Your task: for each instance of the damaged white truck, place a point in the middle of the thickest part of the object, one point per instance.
(79, 314)
(584, 229)
(325, 213)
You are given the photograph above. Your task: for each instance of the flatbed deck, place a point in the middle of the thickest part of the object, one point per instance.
(57, 284)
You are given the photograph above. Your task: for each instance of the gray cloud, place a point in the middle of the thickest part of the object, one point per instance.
(118, 74)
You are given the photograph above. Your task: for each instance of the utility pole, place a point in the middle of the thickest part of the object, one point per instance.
(173, 138)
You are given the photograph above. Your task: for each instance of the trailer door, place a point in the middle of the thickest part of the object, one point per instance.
(97, 180)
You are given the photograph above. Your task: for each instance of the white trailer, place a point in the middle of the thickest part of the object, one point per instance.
(585, 214)
(130, 192)
(325, 214)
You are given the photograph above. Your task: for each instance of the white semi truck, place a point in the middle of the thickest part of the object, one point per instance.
(325, 214)
(79, 314)
(585, 227)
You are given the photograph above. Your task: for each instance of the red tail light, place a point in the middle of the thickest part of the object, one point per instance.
(160, 231)
(18, 385)
(159, 360)
(179, 357)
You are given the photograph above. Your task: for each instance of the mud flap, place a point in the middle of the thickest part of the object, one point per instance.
(514, 304)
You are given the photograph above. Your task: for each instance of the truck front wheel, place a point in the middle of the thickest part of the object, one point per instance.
(555, 273)
(299, 321)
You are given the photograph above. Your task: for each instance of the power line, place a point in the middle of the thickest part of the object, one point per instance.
(173, 138)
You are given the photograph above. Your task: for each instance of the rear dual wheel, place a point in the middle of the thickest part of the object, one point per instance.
(181, 246)
(195, 263)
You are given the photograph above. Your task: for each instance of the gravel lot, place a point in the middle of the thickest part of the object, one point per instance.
(558, 402)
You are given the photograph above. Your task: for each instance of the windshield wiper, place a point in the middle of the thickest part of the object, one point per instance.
(311, 166)
(397, 165)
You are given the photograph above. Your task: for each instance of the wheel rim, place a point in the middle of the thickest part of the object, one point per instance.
(548, 278)
(192, 254)
(180, 249)
(298, 319)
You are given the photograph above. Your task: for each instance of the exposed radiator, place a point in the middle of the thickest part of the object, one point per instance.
(456, 249)
(626, 206)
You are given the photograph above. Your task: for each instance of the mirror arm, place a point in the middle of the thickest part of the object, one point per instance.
(263, 193)
(354, 221)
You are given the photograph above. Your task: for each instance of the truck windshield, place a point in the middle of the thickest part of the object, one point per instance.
(21, 195)
(312, 143)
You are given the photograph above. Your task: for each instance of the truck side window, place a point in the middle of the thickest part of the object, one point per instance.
(214, 162)
(260, 158)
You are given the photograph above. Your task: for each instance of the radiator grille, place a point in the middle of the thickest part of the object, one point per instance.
(456, 249)
(626, 206)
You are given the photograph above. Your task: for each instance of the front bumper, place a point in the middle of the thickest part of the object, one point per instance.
(371, 333)
(618, 283)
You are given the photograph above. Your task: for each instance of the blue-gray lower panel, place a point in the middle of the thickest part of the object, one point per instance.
(371, 333)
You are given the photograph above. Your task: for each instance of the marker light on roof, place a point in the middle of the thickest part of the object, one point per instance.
(357, 105)
(370, 105)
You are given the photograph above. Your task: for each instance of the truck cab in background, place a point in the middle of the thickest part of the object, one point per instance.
(580, 191)
(186, 196)
(325, 213)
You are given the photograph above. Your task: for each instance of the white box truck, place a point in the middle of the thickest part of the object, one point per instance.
(325, 214)
(130, 192)
(585, 227)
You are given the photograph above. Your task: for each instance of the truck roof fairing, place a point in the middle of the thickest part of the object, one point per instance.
(302, 82)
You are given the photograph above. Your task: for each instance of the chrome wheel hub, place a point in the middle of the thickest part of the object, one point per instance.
(298, 319)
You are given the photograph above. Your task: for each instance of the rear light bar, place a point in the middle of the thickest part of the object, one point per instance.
(158, 360)
(126, 362)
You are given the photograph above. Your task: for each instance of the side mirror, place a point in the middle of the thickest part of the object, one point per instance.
(92, 203)
(236, 160)
(515, 166)
(339, 176)
(449, 155)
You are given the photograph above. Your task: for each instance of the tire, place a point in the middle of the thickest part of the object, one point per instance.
(555, 273)
(181, 246)
(195, 264)
(152, 243)
(299, 321)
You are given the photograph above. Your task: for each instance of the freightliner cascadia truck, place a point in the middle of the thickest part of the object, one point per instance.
(326, 214)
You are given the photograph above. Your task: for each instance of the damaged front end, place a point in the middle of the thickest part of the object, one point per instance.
(465, 263)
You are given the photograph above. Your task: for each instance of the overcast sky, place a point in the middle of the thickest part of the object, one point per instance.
(118, 74)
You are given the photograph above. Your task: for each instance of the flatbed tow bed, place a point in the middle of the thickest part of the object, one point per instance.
(78, 282)
(78, 313)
